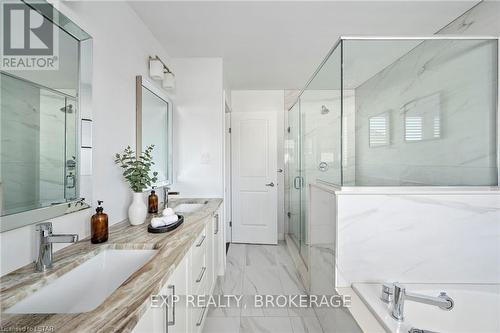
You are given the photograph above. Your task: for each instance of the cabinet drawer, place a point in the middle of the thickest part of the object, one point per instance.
(198, 265)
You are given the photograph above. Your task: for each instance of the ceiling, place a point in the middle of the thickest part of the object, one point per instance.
(278, 45)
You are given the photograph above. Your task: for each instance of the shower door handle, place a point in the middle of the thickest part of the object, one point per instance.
(297, 182)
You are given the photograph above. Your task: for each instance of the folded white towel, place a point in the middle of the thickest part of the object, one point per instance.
(170, 219)
(164, 221)
(168, 211)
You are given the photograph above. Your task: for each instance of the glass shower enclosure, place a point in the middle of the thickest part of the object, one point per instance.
(394, 112)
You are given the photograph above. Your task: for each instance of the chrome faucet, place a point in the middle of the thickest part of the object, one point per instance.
(46, 239)
(400, 295)
(166, 193)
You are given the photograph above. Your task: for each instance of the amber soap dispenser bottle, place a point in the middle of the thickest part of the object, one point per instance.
(153, 203)
(99, 225)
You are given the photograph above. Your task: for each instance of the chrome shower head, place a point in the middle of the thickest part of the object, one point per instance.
(67, 109)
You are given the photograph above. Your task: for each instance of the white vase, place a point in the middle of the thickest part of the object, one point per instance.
(138, 210)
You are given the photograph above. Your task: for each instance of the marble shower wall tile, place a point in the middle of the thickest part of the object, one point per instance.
(20, 132)
(449, 88)
(482, 19)
(418, 238)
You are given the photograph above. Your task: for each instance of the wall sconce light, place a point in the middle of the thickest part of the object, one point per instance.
(156, 68)
(168, 80)
(159, 71)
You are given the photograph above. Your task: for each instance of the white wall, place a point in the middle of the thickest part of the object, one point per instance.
(122, 44)
(198, 127)
(199, 122)
(270, 101)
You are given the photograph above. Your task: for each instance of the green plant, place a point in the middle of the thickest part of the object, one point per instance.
(136, 169)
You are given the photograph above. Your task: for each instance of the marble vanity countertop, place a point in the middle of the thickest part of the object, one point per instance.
(121, 311)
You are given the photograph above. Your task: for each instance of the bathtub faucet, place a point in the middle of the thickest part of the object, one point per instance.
(400, 295)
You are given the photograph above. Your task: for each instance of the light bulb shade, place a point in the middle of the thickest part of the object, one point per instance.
(168, 81)
(156, 69)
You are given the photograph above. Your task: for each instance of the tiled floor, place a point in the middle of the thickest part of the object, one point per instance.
(267, 269)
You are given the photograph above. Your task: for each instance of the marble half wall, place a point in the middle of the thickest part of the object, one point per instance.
(417, 238)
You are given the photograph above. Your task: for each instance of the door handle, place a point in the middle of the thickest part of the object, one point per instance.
(271, 184)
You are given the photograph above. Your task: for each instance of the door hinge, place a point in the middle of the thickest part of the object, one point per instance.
(288, 129)
(229, 130)
(230, 223)
(289, 214)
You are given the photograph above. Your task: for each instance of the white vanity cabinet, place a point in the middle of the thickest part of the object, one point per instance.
(171, 317)
(196, 275)
(202, 278)
(151, 321)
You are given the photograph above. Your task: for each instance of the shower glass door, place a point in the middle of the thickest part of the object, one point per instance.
(294, 174)
(297, 227)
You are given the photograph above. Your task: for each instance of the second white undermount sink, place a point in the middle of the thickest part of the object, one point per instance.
(189, 207)
(85, 287)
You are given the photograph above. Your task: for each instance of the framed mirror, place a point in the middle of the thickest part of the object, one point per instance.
(41, 108)
(154, 127)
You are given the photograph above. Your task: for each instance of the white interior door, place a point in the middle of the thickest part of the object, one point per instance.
(254, 185)
(227, 177)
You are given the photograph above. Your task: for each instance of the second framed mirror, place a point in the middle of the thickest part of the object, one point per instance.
(154, 127)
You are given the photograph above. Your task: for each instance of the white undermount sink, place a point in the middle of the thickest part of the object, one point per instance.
(85, 287)
(189, 207)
